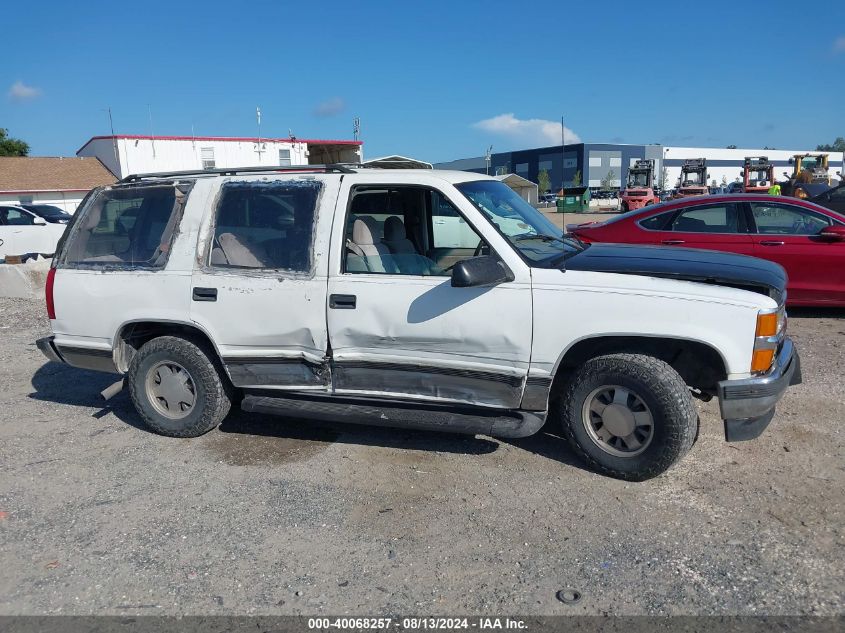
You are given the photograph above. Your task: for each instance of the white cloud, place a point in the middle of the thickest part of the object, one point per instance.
(333, 106)
(529, 131)
(839, 44)
(21, 92)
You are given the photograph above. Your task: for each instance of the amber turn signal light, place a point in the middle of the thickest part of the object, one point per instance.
(767, 324)
(762, 359)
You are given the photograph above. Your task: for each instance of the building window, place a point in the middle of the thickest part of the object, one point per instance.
(616, 161)
(545, 164)
(595, 161)
(207, 155)
(522, 168)
(570, 163)
(284, 157)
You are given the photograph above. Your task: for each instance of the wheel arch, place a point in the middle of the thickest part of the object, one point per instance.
(131, 335)
(700, 364)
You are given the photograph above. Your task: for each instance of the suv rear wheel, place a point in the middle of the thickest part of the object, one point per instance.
(176, 387)
(629, 416)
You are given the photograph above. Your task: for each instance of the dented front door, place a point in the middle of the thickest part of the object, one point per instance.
(259, 288)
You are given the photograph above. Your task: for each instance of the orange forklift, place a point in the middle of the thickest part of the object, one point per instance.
(693, 181)
(758, 174)
(639, 191)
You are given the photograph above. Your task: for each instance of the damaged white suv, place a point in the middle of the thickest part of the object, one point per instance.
(423, 299)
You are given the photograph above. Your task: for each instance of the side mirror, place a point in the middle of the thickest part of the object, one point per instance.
(834, 233)
(39, 221)
(484, 270)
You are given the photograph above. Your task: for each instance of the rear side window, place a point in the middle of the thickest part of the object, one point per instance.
(125, 226)
(268, 225)
(716, 218)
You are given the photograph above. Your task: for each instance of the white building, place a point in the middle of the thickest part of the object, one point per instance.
(126, 154)
(61, 182)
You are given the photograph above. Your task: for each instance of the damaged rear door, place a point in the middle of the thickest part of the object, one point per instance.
(259, 287)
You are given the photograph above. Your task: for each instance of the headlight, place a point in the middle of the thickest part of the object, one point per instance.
(771, 328)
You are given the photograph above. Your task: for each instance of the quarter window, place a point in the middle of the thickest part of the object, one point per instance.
(655, 222)
(129, 226)
(776, 219)
(265, 225)
(717, 218)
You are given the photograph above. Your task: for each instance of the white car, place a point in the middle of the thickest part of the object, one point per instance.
(337, 293)
(22, 231)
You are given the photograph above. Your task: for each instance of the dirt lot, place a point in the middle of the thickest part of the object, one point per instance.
(274, 516)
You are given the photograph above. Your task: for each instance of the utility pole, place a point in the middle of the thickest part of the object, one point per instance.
(488, 157)
(356, 128)
(152, 136)
(562, 157)
(258, 148)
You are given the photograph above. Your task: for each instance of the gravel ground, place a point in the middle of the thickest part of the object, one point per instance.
(272, 516)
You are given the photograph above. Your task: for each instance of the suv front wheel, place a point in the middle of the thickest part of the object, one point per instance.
(176, 387)
(629, 416)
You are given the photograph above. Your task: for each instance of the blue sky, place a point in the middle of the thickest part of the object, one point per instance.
(434, 80)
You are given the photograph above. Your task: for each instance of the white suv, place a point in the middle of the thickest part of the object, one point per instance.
(346, 294)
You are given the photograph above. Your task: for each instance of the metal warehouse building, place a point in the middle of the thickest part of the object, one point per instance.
(599, 161)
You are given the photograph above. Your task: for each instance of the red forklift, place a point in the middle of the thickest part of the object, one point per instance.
(693, 181)
(639, 191)
(758, 174)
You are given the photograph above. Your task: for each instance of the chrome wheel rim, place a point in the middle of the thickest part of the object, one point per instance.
(171, 390)
(618, 421)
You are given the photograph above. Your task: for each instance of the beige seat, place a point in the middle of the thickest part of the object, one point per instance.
(366, 243)
(396, 238)
(238, 251)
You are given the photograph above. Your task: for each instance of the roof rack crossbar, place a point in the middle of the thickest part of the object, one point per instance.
(341, 168)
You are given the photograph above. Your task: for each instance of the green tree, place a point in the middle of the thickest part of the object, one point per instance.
(664, 178)
(12, 146)
(607, 181)
(731, 147)
(544, 183)
(576, 179)
(724, 181)
(838, 146)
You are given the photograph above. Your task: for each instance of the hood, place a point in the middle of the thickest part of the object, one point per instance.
(689, 264)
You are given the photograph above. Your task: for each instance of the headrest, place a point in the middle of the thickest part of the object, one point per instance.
(366, 231)
(394, 229)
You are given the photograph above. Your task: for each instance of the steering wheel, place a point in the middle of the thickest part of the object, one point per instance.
(476, 253)
(479, 248)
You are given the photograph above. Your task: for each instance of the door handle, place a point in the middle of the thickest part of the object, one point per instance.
(771, 243)
(205, 294)
(342, 302)
(672, 242)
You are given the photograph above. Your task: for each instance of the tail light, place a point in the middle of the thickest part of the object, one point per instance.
(51, 307)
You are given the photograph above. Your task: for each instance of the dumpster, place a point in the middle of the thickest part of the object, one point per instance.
(574, 200)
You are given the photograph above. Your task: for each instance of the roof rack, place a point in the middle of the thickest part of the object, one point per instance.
(233, 171)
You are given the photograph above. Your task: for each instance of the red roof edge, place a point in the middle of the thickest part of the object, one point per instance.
(236, 139)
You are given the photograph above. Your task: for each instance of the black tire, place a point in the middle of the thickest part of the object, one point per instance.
(212, 393)
(658, 386)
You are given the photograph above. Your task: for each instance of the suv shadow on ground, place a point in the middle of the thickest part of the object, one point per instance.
(62, 384)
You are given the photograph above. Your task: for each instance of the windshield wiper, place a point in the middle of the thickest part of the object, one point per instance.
(536, 236)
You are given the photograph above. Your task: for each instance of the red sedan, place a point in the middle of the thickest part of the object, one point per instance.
(806, 239)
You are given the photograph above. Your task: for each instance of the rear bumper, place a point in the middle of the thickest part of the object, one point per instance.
(48, 348)
(82, 357)
(747, 406)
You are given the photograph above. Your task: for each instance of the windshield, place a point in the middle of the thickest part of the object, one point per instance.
(533, 235)
(637, 179)
(47, 211)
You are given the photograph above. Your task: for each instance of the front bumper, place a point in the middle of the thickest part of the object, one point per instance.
(748, 405)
